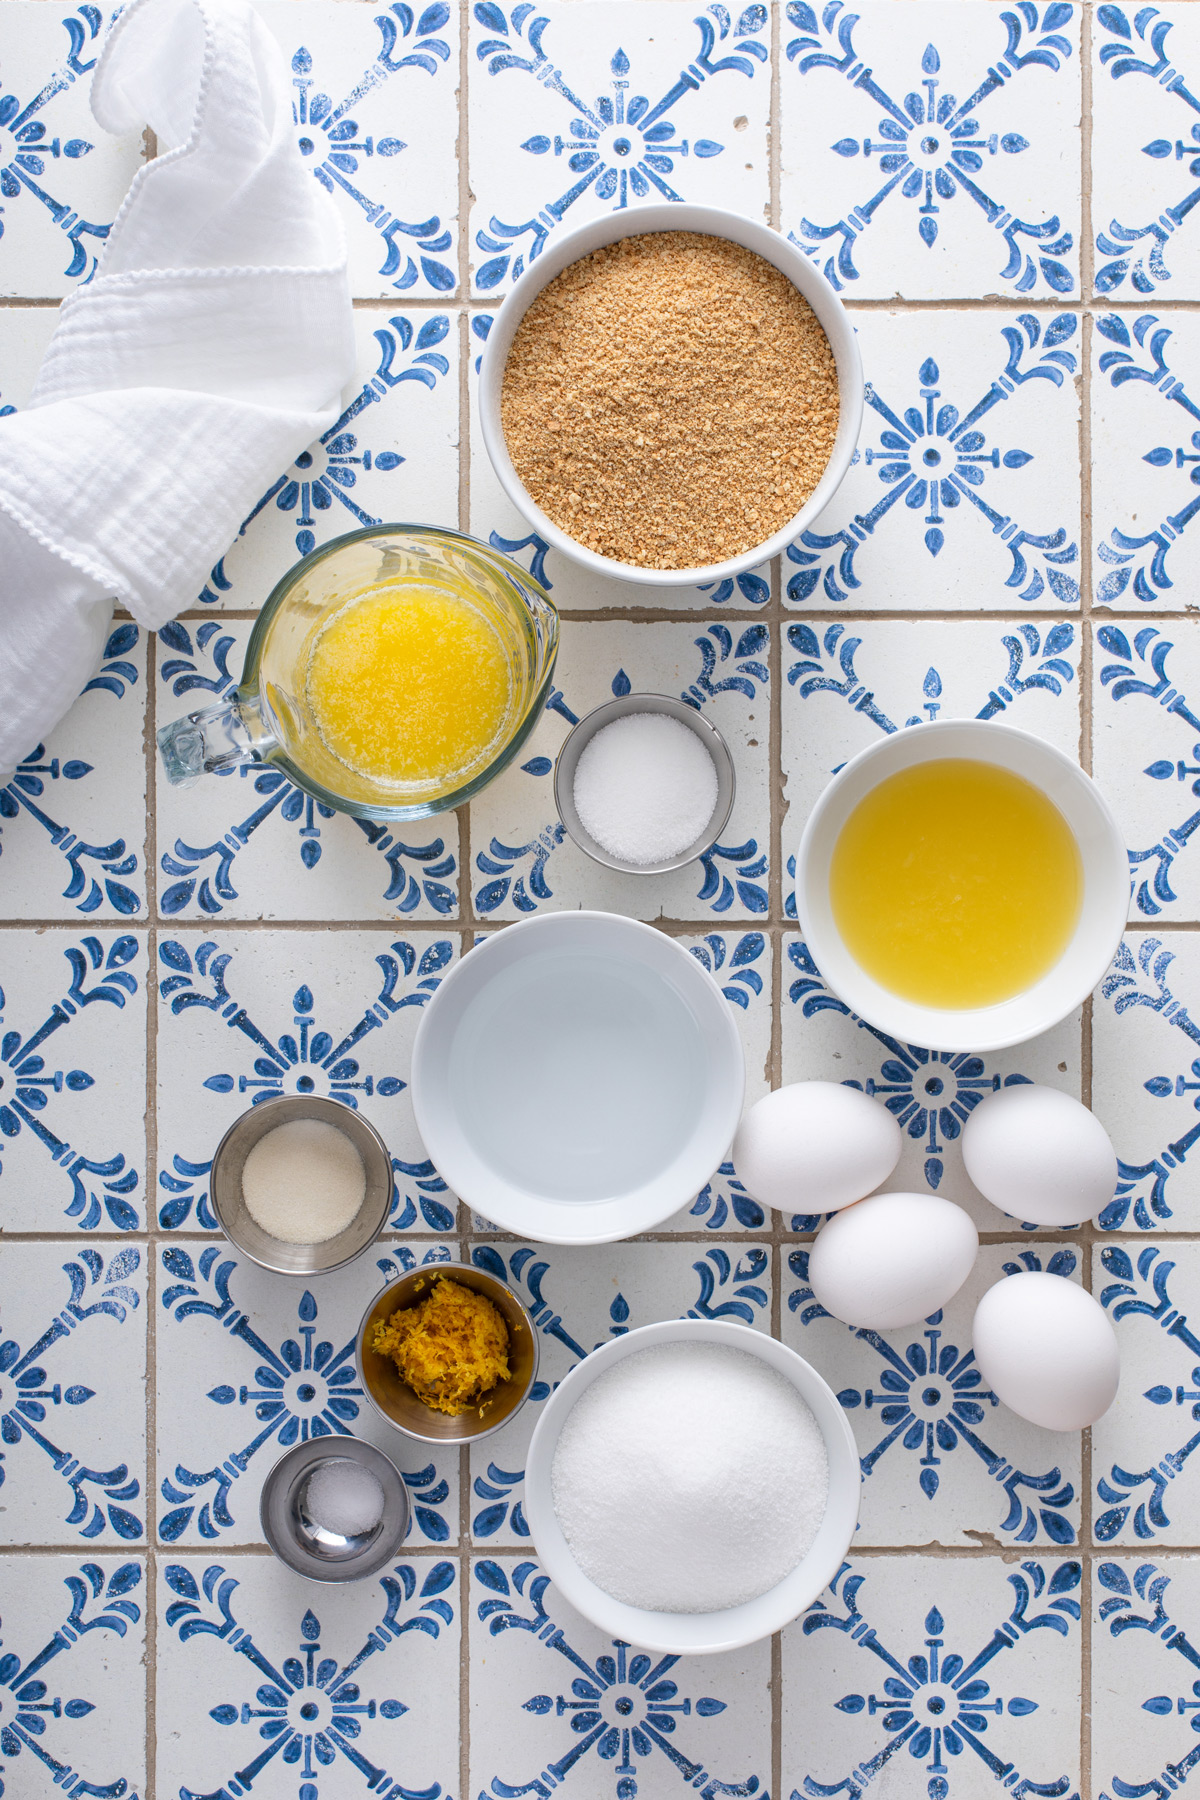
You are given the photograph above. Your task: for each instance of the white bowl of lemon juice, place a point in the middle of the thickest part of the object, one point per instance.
(962, 885)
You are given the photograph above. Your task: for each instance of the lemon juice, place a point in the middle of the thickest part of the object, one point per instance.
(956, 883)
(409, 683)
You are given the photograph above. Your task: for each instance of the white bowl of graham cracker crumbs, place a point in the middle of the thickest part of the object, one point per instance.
(671, 394)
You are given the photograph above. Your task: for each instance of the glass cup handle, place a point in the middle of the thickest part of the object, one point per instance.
(211, 740)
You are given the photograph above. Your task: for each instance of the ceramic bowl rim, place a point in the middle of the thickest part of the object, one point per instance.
(696, 1634)
(620, 707)
(538, 1217)
(566, 247)
(1027, 1014)
(404, 1279)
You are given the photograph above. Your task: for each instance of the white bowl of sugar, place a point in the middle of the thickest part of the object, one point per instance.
(715, 1469)
(301, 1185)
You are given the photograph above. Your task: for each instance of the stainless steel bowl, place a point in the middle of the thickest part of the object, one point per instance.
(585, 731)
(271, 1252)
(308, 1548)
(395, 1400)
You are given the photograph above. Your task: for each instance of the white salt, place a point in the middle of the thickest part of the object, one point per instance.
(303, 1182)
(645, 788)
(690, 1478)
(344, 1497)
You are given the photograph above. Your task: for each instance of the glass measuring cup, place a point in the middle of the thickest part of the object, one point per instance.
(267, 717)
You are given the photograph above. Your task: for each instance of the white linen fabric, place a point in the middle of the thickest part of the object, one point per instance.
(211, 346)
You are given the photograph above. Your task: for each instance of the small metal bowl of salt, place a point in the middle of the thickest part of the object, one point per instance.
(301, 1185)
(334, 1509)
(644, 784)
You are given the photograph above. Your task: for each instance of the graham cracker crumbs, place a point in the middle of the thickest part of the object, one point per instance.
(670, 400)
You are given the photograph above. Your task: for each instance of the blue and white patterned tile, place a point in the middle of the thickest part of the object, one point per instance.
(272, 1682)
(255, 1014)
(359, 77)
(555, 1703)
(521, 857)
(72, 814)
(579, 1299)
(61, 176)
(1145, 123)
(576, 111)
(967, 407)
(72, 1080)
(73, 1465)
(1145, 1697)
(1145, 410)
(890, 1680)
(961, 175)
(943, 1461)
(1146, 722)
(1147, 1491)
(247, 1364)
(495, 519)
(248, 844)
(931, 1092)
(73, 1702)
(392, 453)
(1146, 1079)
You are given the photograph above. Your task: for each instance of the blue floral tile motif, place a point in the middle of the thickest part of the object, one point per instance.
(40, 1718)
(920, 1413)
(38, 1101)
(728, 671)
(1138, 208)
(616, 133)
(933, 456)
(61, 1437)
(308, 1058)
(950, 159)
(622, 1707)
(302, 1386)
(1133, 565)
(259, 846)
(1146, 1443)
(570, 1300)
(353, 81)
(45, 182)
(1146, 666)
(1144, 1620)
(321, 1714)
(48, 788)
(936, 1695)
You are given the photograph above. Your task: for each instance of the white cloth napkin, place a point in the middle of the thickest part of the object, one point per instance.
(211, 346)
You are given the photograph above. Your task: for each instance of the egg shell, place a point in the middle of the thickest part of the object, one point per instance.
(1047, 1350)
(1040, 1155)
(815, 1146)
(892, 1260)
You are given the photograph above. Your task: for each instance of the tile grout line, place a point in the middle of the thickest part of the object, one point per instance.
(151, 872)
(463, 1220)
(777, 812)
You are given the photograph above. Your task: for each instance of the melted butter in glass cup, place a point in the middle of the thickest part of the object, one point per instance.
(269, 718)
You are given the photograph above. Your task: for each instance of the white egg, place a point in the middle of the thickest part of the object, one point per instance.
(1040, 1155)
(815, 1146)
(892, 1260)
(1047, 1350)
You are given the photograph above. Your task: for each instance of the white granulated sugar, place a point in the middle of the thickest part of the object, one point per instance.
(690, 1478)
(344, 1497)
(303, 1182)
(645, 788)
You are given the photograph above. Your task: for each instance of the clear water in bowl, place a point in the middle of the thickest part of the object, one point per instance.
(577, 1077)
